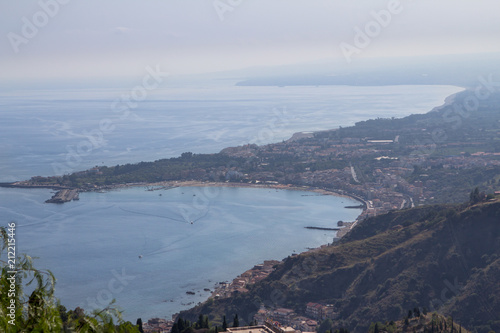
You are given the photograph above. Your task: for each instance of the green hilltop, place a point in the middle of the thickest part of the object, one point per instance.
(442, 258)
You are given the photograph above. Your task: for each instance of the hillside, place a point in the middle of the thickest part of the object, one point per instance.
(430, 322)
(442, 258)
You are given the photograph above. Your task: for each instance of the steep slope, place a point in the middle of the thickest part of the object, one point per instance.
(430, 322)
(443, 258)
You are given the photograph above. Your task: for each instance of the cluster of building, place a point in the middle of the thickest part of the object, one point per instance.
(383, 186)
(157, 325)
(267, 327)
(280, 320)
(238, 285)
(315, 313)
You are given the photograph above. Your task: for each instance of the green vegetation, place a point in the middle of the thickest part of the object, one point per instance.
(451, 151)
(40, 311)
(202, 325)
(445, 258)
(425, 323)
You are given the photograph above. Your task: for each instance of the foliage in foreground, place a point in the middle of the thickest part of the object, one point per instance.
(40, 311)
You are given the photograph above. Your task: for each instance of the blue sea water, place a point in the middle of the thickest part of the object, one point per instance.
(54, 132)
(89, 243)
(93, 245)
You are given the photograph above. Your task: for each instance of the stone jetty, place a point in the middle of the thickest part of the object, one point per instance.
(63, 196)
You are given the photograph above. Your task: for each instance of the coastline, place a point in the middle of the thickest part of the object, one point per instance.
(165, 185)
(449, 100)
(195, 183)
(162, 187)
(186, 183)
(190, 183)
(223, 288)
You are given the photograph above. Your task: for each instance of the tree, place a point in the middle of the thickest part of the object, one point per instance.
(40, 311)
(476, 196)
(139, 325)
(224, 324)
(236, 321)
(187, 155)
(181, 324)
(202, 322)
(326, 325)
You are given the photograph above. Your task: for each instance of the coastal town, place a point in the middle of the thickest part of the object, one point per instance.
(277, 318)
(385, 164)
(389, 186)
(378, 174)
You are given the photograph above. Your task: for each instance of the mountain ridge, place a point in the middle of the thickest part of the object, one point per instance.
(442, 257)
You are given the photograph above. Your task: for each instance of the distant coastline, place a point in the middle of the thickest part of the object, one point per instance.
(352, 141)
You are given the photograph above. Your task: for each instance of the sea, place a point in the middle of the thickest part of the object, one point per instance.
(147, 247)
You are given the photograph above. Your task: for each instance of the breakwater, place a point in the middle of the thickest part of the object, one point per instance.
(64, 196)
(322, 228)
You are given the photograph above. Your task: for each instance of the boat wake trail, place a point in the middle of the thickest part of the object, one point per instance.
(153, 215)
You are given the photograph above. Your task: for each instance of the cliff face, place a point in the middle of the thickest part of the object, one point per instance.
(442, 258)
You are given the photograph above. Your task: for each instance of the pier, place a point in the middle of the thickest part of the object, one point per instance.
(362, 206)
(321, 228)
(64, 196)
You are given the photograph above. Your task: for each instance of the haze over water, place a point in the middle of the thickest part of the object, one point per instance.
(52, 132)
(89, 242)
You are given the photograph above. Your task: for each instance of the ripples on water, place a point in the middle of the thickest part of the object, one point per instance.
(93, 243)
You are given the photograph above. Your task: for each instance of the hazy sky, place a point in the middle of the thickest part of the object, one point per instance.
(103, 38)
